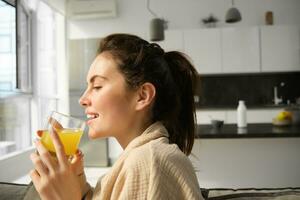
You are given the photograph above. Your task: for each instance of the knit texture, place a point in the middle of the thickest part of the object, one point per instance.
(149, 168)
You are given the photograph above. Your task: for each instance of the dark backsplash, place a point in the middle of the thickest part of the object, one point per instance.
(218, 91)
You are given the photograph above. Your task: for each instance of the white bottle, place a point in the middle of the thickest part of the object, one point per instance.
(242, 114)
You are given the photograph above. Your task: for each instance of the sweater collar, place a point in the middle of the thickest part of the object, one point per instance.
(154, 131)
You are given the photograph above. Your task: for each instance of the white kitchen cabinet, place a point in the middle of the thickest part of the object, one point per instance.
(204, 48)
(237, 162)
(173, 41)
(280, 48)
(240, 50)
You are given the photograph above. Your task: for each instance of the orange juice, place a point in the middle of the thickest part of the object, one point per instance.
(70, 139)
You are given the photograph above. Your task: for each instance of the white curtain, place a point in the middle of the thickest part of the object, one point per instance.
(50, 85)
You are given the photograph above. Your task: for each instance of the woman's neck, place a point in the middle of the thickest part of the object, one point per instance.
(133, 131)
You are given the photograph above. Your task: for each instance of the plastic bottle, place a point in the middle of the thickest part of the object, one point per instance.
(242, 114)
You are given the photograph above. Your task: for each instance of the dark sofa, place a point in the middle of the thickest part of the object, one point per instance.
(252, 193)
(11, 191)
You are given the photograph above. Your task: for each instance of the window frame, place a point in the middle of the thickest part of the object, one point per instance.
(18, 87)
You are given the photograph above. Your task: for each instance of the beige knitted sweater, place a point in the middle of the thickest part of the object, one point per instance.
(149, 168)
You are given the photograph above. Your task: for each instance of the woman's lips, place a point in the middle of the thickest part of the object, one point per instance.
(91, 117)
(89, 121)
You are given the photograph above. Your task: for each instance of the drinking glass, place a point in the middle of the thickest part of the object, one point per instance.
(69, 130)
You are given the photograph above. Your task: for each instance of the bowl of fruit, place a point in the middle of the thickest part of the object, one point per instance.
(283, 118)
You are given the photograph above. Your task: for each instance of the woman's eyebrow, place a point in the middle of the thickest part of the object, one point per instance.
(92, 79)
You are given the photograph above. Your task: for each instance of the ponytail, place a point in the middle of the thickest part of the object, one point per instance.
(182, 127)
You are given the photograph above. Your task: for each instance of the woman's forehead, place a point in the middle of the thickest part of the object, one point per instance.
(104, 66)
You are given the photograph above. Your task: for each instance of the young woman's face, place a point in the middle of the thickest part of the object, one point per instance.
(108, 103)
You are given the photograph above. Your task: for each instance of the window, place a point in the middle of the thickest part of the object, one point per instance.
(8, 46)
(33, 75)
(51, 88)
(15, 108)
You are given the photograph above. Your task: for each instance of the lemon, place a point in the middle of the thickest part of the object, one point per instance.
(284, 115)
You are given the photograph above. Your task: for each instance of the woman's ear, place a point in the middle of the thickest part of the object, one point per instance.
(146, 94)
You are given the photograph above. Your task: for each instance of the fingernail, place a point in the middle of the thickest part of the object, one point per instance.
(40, 133)
(79, 152)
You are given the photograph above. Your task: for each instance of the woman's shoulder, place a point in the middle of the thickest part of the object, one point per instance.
(138, 155)
(164, 152)
(160, 152)
(163, 162)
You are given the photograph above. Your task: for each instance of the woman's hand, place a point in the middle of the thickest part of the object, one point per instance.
(61, 178)
(78, 168)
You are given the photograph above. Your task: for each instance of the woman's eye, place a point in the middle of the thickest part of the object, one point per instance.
(97, 87)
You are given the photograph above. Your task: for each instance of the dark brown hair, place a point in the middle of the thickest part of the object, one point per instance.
(172, 75)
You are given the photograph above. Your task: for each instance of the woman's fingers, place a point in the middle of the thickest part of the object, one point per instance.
(77, 158)
(55, 124)
(59, 148)
(45, 156)
(35, 177)
(39, 133)
(77, 163)
(40, 168)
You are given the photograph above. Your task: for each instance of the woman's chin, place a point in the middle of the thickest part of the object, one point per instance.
(94, 134)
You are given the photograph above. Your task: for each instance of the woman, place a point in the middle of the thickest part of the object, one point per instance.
(143, 97)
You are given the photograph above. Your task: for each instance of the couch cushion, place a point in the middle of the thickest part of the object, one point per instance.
(253, 193)
(12, 191)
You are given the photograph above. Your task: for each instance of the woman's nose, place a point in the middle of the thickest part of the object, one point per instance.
(84, 101)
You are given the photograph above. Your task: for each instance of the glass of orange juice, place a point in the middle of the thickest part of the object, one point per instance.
(69, 130)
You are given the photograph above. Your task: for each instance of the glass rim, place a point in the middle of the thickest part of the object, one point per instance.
(65, 115)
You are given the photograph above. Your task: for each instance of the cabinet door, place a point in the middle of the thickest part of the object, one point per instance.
(82, 52)
(204, 48)
(280, 48)
(240, 50)
(173, 41)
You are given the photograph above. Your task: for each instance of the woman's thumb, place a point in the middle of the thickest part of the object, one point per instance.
(77, 162)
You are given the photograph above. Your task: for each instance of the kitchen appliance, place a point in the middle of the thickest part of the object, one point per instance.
(216, 124)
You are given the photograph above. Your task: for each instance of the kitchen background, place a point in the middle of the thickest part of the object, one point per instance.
(244, 60)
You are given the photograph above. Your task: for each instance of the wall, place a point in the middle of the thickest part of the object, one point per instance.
(58, 5)
(133, 16)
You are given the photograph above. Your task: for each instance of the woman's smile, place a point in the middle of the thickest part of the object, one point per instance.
(91, 117)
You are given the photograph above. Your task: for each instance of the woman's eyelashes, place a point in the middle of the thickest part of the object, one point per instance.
(96, 88)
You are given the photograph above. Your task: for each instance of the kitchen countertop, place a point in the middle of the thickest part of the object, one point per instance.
(234, 107)
(252, 131)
